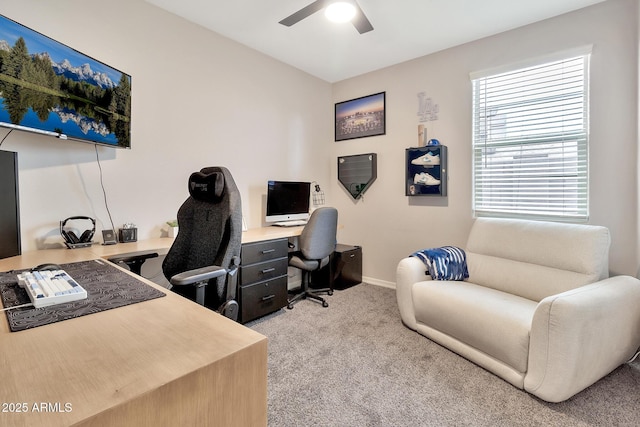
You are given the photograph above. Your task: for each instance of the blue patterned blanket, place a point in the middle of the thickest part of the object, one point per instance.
(444, 263)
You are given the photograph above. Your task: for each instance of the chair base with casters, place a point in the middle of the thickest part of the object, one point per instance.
(306, 293)
(307, 266)
(321, 291)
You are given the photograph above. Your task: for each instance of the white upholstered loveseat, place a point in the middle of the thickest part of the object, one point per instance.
(538, 308)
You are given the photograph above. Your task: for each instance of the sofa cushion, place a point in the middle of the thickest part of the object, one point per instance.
(494, 322)
(535, 259)
(530, 281)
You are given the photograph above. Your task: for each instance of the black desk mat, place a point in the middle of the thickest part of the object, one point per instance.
(107, 287)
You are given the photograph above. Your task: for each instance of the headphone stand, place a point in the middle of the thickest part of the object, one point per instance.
(78, 245)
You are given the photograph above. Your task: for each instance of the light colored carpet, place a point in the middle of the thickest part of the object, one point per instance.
(355, 364)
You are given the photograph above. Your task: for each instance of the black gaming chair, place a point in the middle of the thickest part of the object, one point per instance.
(206, 251)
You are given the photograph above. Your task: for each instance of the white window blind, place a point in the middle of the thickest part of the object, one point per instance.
(530, 141)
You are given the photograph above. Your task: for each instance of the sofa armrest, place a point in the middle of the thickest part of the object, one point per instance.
(410, 270)
(581, 335)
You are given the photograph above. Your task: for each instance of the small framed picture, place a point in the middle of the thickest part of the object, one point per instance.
(360, 117)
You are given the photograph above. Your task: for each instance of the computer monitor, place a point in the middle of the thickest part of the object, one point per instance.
(287, 201)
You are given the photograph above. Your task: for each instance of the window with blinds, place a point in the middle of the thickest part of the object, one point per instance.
(530, 141)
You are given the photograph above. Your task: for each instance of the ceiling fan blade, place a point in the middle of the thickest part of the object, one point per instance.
(304, 12)
(360, 21)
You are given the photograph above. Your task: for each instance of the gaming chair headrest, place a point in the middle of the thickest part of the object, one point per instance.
(207, 186)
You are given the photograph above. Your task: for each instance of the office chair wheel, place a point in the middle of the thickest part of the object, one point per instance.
(229, 309)
(330, 293)
(325, 304)
(290, 306)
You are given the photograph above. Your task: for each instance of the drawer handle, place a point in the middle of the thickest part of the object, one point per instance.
(268, 270)
(268, 251)
(268, 297)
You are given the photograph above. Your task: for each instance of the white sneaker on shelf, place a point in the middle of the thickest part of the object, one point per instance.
(425, 179)
(428, 159)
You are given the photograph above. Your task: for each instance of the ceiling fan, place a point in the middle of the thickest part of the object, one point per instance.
(359, 21)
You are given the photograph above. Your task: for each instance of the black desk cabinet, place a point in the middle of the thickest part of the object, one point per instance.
(347, 266)
(344, 270)
(263, 278)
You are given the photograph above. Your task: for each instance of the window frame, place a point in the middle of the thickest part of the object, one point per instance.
(564, 201)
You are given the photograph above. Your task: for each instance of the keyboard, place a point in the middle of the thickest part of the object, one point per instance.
(293, 223)
(50, 287)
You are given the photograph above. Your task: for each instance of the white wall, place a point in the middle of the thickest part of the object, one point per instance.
(390, 225)
(199, 100)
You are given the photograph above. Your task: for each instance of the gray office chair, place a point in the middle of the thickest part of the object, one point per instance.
(206, 251)
(317, 242)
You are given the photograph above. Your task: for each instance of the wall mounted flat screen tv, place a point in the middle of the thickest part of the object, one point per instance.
(50, 88)
(287, 201)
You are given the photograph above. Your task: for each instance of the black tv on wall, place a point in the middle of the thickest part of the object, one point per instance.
(50, 88)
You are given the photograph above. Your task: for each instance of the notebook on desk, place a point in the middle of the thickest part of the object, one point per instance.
(107, 287)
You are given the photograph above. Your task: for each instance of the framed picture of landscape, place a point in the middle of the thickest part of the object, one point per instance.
(360, 117)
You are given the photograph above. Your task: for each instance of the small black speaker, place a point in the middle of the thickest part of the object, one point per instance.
(109, 237)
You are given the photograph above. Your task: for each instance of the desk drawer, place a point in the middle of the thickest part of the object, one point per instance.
(263, 270)
(264, 251)
(262, 298)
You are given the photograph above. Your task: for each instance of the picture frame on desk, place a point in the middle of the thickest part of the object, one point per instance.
(109, 237)
(360, 117)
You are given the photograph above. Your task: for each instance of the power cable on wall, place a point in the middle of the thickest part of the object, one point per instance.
(5, 137)
(106, 204)
(104, 192)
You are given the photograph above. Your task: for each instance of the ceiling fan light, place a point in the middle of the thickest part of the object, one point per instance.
(340, 11)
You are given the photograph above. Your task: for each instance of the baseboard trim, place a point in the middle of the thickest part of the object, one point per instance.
(378, 282)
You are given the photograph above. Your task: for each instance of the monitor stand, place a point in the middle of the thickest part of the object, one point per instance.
(294, 223)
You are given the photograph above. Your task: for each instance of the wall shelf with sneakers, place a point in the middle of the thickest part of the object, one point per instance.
(426, 171)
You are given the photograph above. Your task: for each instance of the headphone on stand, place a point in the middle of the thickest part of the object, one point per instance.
(71, 239)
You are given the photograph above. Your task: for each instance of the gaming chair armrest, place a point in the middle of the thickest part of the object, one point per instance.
(133, 260)
(197, 275)
(200, 278)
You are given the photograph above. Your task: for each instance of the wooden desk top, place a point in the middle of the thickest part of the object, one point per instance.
(63, 255)
(158, 244)
(167, 361)
(267, 233)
